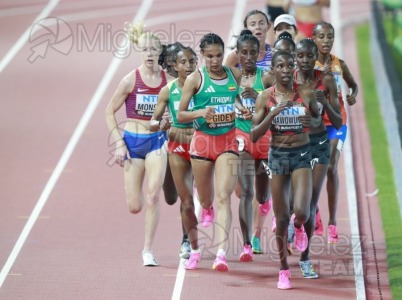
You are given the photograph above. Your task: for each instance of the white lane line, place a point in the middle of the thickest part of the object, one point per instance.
(25, 36)
(181, 272)
(236, 24)
(350, 176)
(107, 78)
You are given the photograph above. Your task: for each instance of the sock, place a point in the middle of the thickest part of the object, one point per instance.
(195, 250)
(221, 252)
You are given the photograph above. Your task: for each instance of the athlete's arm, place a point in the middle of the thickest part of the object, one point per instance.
(332, 107)
(232, 60)
(163, 100)
(119, 97)
(268, 79)
(190, 88)
(244, 111)
(312, 118)
(350, 81)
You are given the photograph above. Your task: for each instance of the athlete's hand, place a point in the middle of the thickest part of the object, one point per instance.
(121, 153)
(351, 99)
(208, 113)
(165, 123)
(306, 119)
(249, 92)
(320, 97)
(280, 107)
(246, 113)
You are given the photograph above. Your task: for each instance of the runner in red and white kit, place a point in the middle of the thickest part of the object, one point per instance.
(323, 84)
(138, 150)
(286, 113)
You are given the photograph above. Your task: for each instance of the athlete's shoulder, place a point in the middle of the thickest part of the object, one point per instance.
(166, 88)
(171, 83)
(194, 79)
(128, 81)
(232, 59)
(235, 71)
(265, 94)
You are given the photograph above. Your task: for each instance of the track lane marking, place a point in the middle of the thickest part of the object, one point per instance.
(68, 151)
(350, 176)
(25, 36)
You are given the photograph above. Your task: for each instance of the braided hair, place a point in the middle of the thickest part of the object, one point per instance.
(169, 54)
(246, 35)
(168, 57)
(211, 39)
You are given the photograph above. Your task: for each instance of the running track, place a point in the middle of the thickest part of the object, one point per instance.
(63, 211)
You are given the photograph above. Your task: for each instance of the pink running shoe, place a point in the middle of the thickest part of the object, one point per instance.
(220, 264)
(265, 208)
(247, 254)
(273, 224)
(207, 216)
(191, 263)
(284, 280)
(319, 229)
(301, 240)
(332, 235)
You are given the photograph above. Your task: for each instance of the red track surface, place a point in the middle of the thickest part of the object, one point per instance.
(85, 244)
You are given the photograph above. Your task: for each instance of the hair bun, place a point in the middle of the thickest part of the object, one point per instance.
(245, 31)
(134, 31)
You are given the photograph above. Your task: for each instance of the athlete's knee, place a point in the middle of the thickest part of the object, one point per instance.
(134, 207)
(223, 198)
(332, 169)
(187, 208)
(134, 201)
(170, 199)
(170, 194)
(302, 215)
(152, 198)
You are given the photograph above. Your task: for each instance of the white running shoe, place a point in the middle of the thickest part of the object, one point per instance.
(149, 259)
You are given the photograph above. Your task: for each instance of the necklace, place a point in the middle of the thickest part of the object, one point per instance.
(249, 75)
(287, 93)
